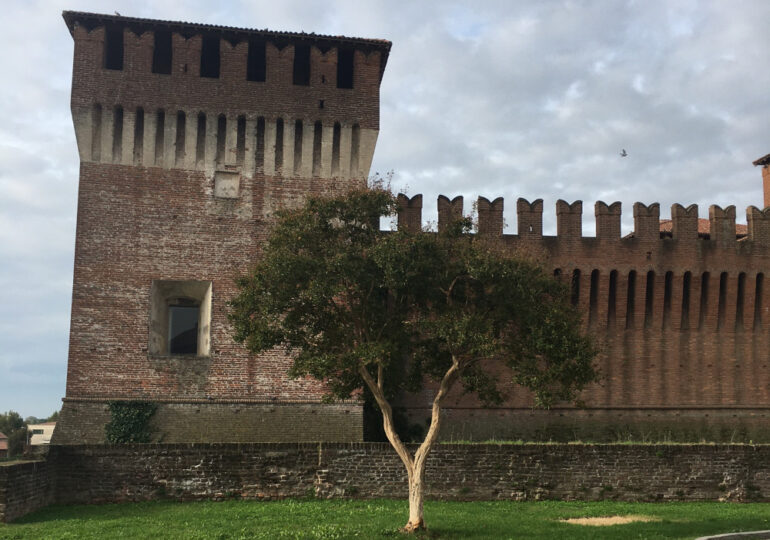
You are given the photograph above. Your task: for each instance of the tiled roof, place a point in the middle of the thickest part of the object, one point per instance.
(765, 160)
(3, 444)
(704, 227)
(93, 20)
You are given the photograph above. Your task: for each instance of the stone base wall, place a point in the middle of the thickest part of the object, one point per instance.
(94, 473)
(24, 488)
(724, 425)
(83, 421)
(462, 472)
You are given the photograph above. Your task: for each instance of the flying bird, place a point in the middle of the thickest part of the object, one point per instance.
(623, 153)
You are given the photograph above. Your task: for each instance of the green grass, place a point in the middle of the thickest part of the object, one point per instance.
(381, 519)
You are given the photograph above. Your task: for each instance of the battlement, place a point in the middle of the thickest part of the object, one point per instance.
(201, 97)
(648, 227)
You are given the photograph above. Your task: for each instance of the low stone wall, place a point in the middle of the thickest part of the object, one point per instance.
(455, 472)
(24, 488)
(462, 472)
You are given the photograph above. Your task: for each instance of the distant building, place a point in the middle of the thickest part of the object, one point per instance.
(3, 445)
(40, 433)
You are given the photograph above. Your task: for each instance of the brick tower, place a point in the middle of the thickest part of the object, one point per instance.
(190, 136)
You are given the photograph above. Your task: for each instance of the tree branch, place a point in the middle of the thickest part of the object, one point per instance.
(387, 418)
(435, 422)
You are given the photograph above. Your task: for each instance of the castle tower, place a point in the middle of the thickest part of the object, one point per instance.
(190, 136)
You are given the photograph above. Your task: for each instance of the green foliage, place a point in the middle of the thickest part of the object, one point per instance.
(130, 421)
(374, 519)
(14, 427)
(340, 295)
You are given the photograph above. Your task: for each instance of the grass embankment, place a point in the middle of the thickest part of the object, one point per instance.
(381, 519)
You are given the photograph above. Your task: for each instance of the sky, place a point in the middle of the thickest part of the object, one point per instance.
(480, 98)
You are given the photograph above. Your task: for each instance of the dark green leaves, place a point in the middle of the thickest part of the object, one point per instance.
(338, 294)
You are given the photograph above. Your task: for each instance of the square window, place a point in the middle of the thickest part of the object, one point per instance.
(180, 318)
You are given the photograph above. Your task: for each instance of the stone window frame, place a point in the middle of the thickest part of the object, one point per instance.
(165, 293)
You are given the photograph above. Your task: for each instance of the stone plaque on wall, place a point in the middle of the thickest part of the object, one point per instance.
(226, 185)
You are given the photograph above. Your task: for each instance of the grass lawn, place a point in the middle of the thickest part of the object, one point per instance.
(381, 519)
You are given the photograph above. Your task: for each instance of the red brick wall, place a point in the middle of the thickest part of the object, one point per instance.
(136, 85)
(714, 361)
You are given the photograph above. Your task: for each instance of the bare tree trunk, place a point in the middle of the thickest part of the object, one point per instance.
(415, 467)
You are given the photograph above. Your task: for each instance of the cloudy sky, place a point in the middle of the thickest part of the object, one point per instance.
(494, 98)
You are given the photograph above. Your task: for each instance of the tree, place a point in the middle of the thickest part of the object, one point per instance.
(390, 311)
(12, 424)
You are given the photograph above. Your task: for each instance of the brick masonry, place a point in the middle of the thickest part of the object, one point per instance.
(25, 487)
(180, 178)
(100, 473)
(682, 322)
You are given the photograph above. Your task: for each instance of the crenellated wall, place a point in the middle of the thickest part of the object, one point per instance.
(682, 319)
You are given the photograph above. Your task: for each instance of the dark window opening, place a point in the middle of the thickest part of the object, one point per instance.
(113, 48)
(221, 138)
(704, 299)
(160, 130)
(183, 329)
(557, 273)
(181, 122)
(355, 137)
(302, 65)
(117, 134)
(336, 149)
(139, 136)
(685, 323)
(575, 294)
(649, 298)
(758, 301)
(668, 285)
(722, 300)
(260, 150)
(317, 135)
(593, 296)
(240, 141)
(210, 57)
(279, 145)
(161, 52)
(631, 299)
(344, 68)
(200, 139)
(740, 301)
(611, 298)
(256, 61)
(298, 146)
(96, 133)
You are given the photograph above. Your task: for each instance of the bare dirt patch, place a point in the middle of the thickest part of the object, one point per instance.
(608, 520)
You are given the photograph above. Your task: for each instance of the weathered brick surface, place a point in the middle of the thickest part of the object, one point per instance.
(24, 488)
(455, 472)
(680, 359)
(103, 473)
(150, 208)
